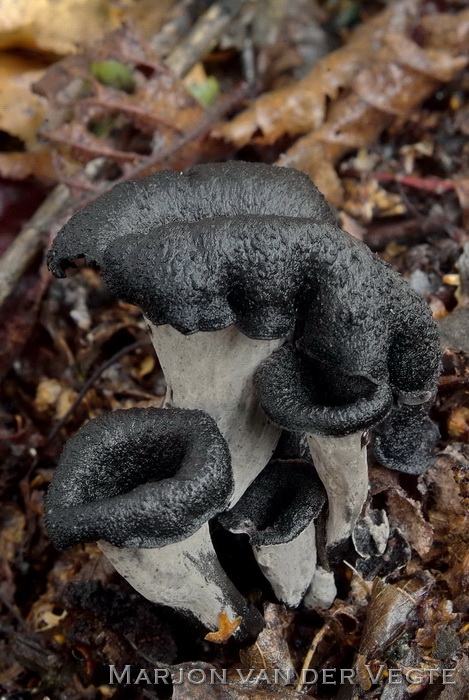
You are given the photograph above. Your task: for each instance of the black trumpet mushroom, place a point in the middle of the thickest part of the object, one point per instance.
(143, 484)
(267, 316)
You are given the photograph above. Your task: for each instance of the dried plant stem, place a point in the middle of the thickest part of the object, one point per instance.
(29, 242)
(204, 34)
(309, 656)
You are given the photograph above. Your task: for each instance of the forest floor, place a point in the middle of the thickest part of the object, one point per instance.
(371, 99)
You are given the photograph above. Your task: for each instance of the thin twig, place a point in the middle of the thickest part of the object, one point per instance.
(129, 109)
(28, 243)
(94, 377)
(309, 656)
(206, 31)
(94, 149)
(435, 185)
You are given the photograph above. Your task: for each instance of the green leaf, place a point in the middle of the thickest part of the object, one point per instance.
(111, 72)
(207, 92)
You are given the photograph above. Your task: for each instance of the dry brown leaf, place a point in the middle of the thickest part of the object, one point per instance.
(219, 690)
(21, 112)
(12, 528)
(52, 394)
(46, 26)
(449, 515)
(386, 617)
(406, 514)
(270, 650)
(438, 614)
(458, 423)
(300, 108)
(88, 119)
(19, 165)
(386, 73)
(366, 199)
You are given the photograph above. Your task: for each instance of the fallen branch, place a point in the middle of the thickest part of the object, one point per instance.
(205, 33)
(29, 242)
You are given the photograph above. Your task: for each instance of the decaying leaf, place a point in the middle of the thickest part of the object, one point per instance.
(386, 617)
(201, 681)
(12, 527)
(270, 651)
(406, 514)
(42, 25)
(21, 111)
(386, 73)
(116, 101)
(449, 512)
(52, 395)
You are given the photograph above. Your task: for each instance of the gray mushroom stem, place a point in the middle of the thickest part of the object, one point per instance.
(341, 463)
(213, 371)
(289, 567)
(277, 513)
(322, 591)
(185, 575)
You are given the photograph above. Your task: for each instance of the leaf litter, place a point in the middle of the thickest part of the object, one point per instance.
(381, 124)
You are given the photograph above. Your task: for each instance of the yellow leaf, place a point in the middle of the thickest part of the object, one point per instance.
(57, 27)
(21, 112)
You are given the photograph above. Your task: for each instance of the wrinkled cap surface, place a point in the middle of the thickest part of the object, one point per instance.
(405, 441)
(305, 397)
(203, 249)
(203, 192)
(142, 477)
(283, 500)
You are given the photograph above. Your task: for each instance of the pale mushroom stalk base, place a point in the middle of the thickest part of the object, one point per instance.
(289, 567)
(213, 371)
(185, 575)
(341, 464)
(322, 591)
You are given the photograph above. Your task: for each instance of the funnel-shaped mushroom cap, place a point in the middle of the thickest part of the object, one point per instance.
(303, 396)
(405, 441)
(279, 504)
(203, 192)
(139, 478)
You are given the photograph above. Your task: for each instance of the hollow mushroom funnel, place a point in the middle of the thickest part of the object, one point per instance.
(278, 513)
(143, 484)
(193, 251)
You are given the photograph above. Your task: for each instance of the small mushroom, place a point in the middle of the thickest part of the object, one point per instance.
(209, 258)
(277, 513)
(291, 397)
(143, 484)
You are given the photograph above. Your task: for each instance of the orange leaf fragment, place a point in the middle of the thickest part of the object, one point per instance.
(225, 629)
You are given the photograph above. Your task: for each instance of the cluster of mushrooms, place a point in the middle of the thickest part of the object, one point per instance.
(265, 317)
